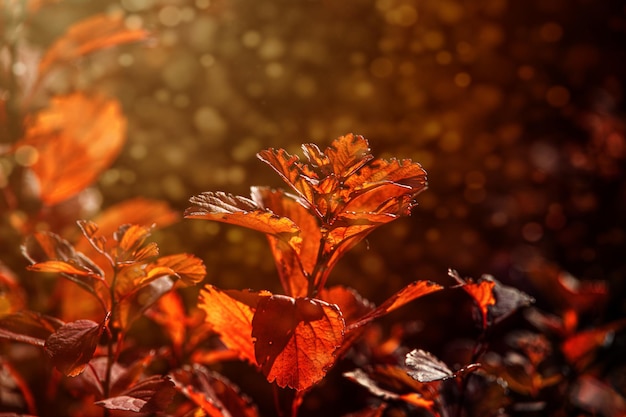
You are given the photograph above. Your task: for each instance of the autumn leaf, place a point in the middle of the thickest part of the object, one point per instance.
(72, 345)
(169, 313)
(48, 252)
(425, 367)
(231, 319)
(239, 211)
(399, 392)
(581, 348)
(295, 339)
(87, 36)
(151, 395)
(567, 292)
(72, 142)
(188, 268)
(407, 294)
(297, 256)
(213, 393)
(341, 195)
(131, 245)
(351, 304)
(28, 327)
(494, 300)
(135, 302)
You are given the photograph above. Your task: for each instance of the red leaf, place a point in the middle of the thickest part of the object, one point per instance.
(214, 394)
(151, 395)
(72, 346)
(89, 35)
(392, 383)
(73, 141)
(295, 339)
(231, 319)
(28, 327)
(580, 349)
(566, 291)
(407, 294)
(351, 304)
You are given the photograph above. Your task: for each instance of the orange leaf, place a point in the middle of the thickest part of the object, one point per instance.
(295, 339)
(130, 245)
(141, 211)
(296, 258)
(73, 141)
(580, 349)
(169, 313)
(63, 267)
(188, 268)
(407, 294)
(240, 211)
(89, 35)
(351, 304)
(49, 252)
(482, 294)
(231, 319)
(494, 300)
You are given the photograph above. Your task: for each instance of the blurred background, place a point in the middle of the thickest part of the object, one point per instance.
(514, 108)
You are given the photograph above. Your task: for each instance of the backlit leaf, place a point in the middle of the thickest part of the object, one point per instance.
(565, 291)
(239, 211)
(494, 300)
(138, 210)
(72, 345)
(341, 195)
(89, 35)
(407, 294)
(231, 319)
(169, 313)
(188, 268)
(74, 140)
(581, 348)
(131, 245)
(62, 267)
(49, 252)
(295, 339)
(137, 301)
(481, 292)
(295, 258)
(351, 304)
